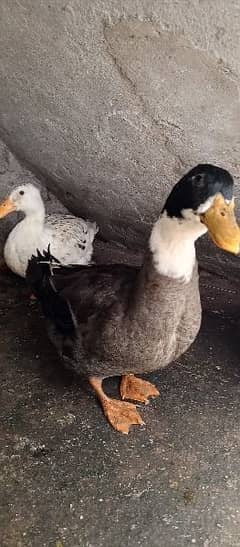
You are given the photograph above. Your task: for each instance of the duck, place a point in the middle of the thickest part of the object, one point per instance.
(119, 320)
(71, 238)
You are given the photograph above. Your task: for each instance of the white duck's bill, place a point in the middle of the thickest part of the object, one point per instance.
(7, 206)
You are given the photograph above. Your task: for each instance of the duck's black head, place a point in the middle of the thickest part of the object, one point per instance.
(197, 187)
(206, 194)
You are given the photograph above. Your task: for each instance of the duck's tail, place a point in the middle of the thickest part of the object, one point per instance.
(93, 230)
(40, 277)
(39, 272)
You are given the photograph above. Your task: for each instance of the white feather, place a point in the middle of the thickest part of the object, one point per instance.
(172, 243)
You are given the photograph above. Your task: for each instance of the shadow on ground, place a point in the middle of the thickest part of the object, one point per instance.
(68, 479)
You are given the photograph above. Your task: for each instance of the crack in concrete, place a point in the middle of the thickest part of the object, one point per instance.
(159, 123)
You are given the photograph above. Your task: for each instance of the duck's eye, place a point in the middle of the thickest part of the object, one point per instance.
(21, 192)
(199, 178)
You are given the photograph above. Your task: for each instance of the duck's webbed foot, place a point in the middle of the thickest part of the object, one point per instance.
(120, 415)
(136, 389)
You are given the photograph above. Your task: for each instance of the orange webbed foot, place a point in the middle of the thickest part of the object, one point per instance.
(121, 415)
(136, 389)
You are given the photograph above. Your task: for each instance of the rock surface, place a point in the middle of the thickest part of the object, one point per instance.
(111, 101)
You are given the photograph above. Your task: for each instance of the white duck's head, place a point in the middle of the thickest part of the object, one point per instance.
(25, 198)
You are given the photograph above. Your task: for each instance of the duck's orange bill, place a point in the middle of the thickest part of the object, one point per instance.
(7, 206)
(222, 225)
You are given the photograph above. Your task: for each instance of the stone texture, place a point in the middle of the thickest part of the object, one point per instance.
(183, 91)
(111, 101)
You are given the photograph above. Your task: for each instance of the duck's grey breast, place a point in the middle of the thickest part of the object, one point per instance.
(149, 341)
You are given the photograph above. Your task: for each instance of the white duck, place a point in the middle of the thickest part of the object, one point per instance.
(70, 238)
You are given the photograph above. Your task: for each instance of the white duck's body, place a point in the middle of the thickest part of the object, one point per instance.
(70, 238)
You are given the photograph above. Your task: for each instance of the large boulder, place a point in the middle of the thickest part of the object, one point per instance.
(111, 101)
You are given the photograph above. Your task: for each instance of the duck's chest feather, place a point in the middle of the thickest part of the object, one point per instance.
(20, 245)
(159, 323)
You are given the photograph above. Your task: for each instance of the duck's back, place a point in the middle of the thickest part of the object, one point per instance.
(96, 290)
(70, 238)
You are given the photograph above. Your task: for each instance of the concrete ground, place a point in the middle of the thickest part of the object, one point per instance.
(69, 480)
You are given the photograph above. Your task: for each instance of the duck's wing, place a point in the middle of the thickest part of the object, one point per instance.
(69, 227)
(71, 295)
(93, 290)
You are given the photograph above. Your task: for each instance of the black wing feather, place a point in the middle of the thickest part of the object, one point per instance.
(71, 294)
(55, 308)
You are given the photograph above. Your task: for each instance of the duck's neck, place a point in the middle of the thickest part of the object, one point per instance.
(169, 273)
(172, 244)
(35, 215)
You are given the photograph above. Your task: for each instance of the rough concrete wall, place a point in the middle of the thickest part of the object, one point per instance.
(113, 100)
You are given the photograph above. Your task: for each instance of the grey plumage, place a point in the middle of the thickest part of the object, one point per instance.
(123, 320)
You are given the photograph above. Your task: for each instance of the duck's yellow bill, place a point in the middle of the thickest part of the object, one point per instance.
(222, 225)
(7, 206)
